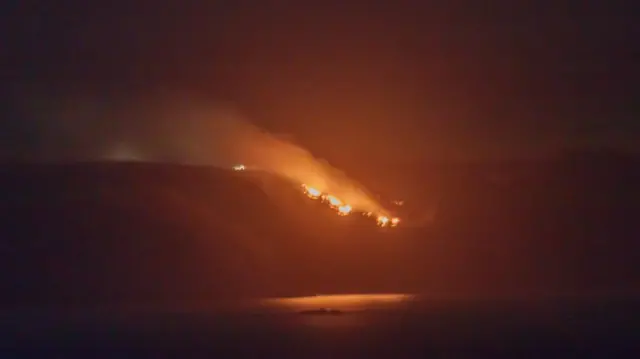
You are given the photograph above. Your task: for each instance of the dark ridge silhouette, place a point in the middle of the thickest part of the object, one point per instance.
(94, 234)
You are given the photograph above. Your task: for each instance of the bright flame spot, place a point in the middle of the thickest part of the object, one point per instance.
(239, 168)
(383, 221)
(334, 201)
(311, 192)
(344, 210)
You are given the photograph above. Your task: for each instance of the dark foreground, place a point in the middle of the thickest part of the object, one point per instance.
(104, 236)
(410, 328)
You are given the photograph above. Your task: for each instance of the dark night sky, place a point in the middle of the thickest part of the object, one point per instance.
(394, 79)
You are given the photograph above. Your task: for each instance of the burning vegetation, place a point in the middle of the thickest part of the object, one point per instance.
(344, 209)
(341, 207)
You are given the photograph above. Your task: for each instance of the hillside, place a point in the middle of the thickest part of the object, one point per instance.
(117, 233)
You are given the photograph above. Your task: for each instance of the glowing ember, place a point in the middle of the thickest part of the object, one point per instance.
(333, 201)
(344, 210)
(383, 221)
(313, 193)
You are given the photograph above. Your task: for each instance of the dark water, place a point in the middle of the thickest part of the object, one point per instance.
(376, 326)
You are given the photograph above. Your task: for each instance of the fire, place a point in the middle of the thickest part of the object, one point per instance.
(333, 201)
(343, 209)
(383, 221)
(313, 193)
(239, 168)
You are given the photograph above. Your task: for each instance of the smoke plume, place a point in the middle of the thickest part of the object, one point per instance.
(176, 129)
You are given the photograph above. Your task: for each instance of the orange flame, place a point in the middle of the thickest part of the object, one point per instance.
(334, 201)
(312, 192)
(383, 221)
(343, 209)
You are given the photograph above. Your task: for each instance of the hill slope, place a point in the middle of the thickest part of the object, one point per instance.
(98, 233)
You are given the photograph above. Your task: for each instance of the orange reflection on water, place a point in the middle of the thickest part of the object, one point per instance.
(342, 302)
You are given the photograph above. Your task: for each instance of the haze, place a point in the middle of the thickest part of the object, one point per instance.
(178, 129)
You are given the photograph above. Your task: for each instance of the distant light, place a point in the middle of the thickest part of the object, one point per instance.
(239, 168)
